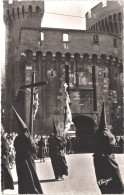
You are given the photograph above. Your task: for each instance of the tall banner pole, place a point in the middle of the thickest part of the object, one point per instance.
(31, 104)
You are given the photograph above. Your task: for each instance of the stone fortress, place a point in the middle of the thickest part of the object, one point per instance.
(89, 61)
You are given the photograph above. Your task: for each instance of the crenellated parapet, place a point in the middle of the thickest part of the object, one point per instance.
(106, 18)
(22, 9)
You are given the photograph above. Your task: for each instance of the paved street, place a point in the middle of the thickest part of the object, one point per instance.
(81, 178)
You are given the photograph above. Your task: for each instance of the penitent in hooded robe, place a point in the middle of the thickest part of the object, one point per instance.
(56, 146)
(108, 174)
(28, 182)
(106, 168)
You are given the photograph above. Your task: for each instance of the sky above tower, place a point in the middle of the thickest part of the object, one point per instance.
(67, 14)
(57, 14)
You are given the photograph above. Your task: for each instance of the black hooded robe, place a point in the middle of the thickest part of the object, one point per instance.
(6, 177)
(58, 160)
(28, 181)
(108, 174)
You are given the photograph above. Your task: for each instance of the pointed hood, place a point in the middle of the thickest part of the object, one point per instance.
(104, 139)
(102, 124)
(21, 124)
(54, 128)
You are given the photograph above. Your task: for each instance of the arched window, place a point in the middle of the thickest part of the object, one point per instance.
(67, 57)
(37, 9)
(95, 39)
(106, 25)
(42, 36)
(86, 58)
(49, 59)
(94, 58)
(110, 23)
(65, 37)
(30, 8)
(115, 23)
(103, 59)
(120, 21)
(65, 40)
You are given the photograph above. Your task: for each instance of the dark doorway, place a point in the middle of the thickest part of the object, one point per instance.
(85, 129)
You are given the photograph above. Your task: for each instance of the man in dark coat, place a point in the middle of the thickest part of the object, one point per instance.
(56, 147)
(25, 148)
(41, 149)
(106, 168)
(6, 178)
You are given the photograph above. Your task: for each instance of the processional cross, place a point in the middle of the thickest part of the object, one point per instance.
(32, 86)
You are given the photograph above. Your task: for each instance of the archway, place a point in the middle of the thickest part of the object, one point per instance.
(85, 129)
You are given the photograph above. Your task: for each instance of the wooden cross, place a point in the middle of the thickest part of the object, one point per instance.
(32, 86)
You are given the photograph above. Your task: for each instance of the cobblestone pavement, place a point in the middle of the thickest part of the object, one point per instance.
(81, 178)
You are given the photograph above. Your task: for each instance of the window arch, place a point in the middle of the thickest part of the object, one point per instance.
(49, 58)
(67, 57)
(115, 23)
(29, 54)
(106, 24)
(42, 36)
(37, 9)
(30, 8)
(120, 22)
(110, 23)
(86, 58)
(65, 37)
(94, 58)
(103, 59)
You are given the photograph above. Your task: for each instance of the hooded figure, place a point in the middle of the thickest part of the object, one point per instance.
(106, 168)
(56, 147)
(28, 182)
(6, 178)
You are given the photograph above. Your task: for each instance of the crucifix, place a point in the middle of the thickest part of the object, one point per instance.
(32, 86)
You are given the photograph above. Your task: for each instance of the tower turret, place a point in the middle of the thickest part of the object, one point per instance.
(17, 15)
